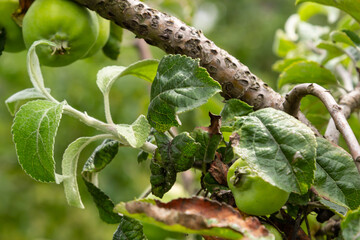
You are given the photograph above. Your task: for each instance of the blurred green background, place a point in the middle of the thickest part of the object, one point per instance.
(33, 210)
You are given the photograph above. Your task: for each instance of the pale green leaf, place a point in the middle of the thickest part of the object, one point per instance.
(34, 130)
(277, 146)
(282, 44)
(306, 72)
(336, 176)
(135, 134)
(282, 64)
(145, 69)
(350, 227)
(342, 37)
(69, 169)
(14, 102)
(180, 85)
(309, 9)
(195, 216)
(352, 7)
(332, 50)
(33, 65)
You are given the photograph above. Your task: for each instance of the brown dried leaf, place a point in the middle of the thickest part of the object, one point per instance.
(219, 170)
(198, 214)
(20, 12)
(215, 125)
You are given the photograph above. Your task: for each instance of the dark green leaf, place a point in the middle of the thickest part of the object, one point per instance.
(353, 36)
(103, 204)
(2, 40)
(34, 130)
(279, 147)
(180, 85)
(227, 153)
(234, 108)
(173, 156)
(350, 227)
(129, 229)
(208, 145)
(102, 156)
(142, 156)
(336, 176)
(113, 45)
(352, 7)
(306, 72)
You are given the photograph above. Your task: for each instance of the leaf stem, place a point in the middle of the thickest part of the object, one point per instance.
(107, 108)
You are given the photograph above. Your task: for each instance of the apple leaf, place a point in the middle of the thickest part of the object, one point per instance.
(195, 216)
(172, 156)
(350, 227)
(98, 160)
(277, 146)
(180, 85)
(234, 108)
(14, 102)
(34, 130)
(352, 7)
(336, 177)
(103, 203)
(145, 69)
(69, 167)
(136, 133)
(306, 72)
(129, 229)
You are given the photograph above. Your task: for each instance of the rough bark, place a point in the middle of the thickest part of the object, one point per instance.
(175, 37)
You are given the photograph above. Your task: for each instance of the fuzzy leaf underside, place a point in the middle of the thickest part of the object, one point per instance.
(145, 69)
(34, 130)
(14, 102)
(136, 133)
(279, 147)
(180, 85)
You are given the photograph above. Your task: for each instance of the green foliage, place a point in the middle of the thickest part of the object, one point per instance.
(180, 85)
(174, 156)
(350, 226)
(277, 146)
(336, 176)
(14, 102)
(135, 134)
(34, 130)
(349, 6)
(304, 72)
(129, 229)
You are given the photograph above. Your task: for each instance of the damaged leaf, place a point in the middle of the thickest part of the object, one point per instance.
(173, 156)
(197, 216)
